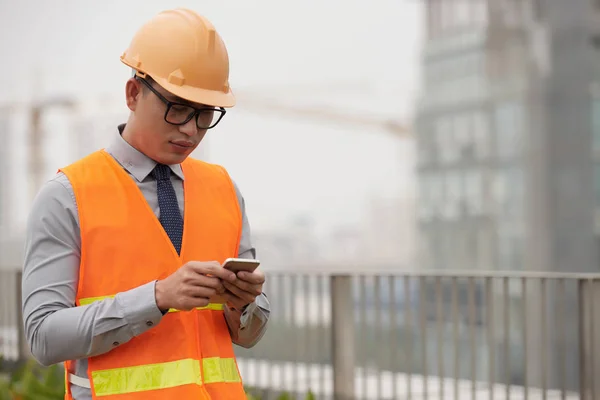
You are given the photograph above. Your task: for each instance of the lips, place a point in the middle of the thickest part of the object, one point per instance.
(183, 143)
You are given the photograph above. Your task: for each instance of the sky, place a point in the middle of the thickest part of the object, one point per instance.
(353, 56)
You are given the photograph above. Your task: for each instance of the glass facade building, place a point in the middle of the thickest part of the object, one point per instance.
(504, 139)
(508, 141)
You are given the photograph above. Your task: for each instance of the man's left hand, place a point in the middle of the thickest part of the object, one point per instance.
(244, 289)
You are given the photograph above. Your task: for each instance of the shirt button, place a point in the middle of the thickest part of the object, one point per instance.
(149, 323)
(115, 343)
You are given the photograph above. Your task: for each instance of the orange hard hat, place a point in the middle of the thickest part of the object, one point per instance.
(184, 54)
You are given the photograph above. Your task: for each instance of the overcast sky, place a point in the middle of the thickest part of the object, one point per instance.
(357, 56)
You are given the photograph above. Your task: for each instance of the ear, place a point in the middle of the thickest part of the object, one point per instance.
(133, 93)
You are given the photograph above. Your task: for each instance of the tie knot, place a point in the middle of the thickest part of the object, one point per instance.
(161, 172)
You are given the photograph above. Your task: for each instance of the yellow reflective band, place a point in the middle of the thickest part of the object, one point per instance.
(164, 375)
(211, 306)
(220, 370)
(90, 300)
(146, 377)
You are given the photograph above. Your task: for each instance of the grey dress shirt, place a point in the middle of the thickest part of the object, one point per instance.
(56, 330)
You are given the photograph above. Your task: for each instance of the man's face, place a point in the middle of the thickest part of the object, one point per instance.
(151, 134)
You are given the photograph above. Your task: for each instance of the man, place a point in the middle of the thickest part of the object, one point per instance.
(124, 247)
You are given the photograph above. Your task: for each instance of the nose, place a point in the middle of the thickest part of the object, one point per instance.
(190, 128)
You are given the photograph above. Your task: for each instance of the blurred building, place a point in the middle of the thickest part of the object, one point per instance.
(388, 233)
(294, 244)
(505, 160)
(383, 239)
(508, 138)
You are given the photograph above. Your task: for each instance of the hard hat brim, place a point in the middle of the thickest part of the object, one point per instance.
(197, 95)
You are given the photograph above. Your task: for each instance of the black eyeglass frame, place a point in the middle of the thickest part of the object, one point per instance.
(195, 114)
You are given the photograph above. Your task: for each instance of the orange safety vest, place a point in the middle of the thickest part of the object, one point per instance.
(188, 355)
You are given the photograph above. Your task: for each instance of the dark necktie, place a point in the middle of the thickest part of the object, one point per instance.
(170, 217)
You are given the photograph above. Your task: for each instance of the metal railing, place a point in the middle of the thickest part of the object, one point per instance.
(12, 338)
(432, 335)
(440, 335)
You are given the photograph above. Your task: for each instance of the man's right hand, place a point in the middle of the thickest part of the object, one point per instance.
(192, 286)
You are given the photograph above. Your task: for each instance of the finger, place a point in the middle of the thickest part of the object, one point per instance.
(196, 279)
(247, 297)
(234, 301)
(256, 277)
(251, 288)
(211, 282)
(201, 292)
(196, 302)
(214, 269)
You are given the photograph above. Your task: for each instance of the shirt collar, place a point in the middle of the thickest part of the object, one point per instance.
(135, 162)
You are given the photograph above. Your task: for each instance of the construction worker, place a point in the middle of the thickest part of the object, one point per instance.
(124, 247)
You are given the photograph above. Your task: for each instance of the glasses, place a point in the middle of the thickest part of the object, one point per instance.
(181, 114)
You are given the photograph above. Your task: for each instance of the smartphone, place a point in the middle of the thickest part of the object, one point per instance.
(241, 264)
(236, 265)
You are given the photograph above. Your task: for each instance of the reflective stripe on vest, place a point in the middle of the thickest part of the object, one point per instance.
(164, 375)
(211, 306)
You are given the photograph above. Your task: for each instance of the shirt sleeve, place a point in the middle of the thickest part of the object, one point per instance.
(252, 323)
(56, 330)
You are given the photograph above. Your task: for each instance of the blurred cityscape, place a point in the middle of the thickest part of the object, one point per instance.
(447, 188)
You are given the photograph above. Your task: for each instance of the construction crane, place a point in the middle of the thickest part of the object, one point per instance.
(252, 102)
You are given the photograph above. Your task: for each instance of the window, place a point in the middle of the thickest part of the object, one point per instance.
(436, 190)
(441, 133)
(448, 249)
(485, 245)
(424, 145)
(462, 136)
(499, 194)
(446, 144)
(430, 196)
(481, 134)
(473, 192)
(460, 253)
(508, 193)
(425, 206)
(427, 248)
(453, 195)
(510, 247)
(516, 194)
(505, 251)
(509, 129)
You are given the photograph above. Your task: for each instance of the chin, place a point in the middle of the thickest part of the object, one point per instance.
(175, 158)
(175, 155)
(169, 158)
